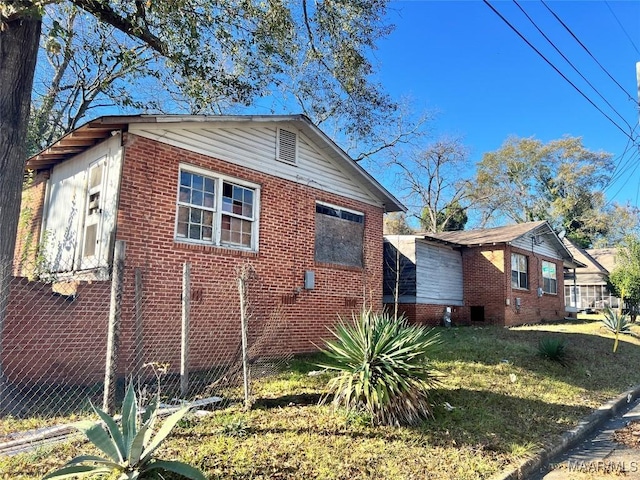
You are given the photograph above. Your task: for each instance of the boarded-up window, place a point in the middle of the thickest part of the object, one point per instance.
(339, 235)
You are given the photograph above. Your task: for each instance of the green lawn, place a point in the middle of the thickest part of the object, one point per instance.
(507, 402)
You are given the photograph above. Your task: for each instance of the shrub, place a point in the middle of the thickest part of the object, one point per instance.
(235, 428)
(383, 366)
(128, 449)
(553, 349)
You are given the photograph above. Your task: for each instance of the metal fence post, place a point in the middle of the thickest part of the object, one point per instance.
(186, 313)
(113, 335)
(139, 325)
(242, 290)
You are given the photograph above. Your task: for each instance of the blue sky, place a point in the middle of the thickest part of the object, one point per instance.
(460, 59)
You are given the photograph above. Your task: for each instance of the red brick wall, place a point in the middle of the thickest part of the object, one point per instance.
(485, 281)
(431, 314)
(29, 224)
(534, 309)
(146, 218)
(52, 338)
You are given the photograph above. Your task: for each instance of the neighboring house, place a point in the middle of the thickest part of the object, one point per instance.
(218, 192)
(587, 289)
(504, 276)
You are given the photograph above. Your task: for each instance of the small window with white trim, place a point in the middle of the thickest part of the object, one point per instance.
(215, 209)
(519, 271)
(549, 281)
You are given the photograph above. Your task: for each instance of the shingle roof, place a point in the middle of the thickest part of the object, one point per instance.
(604, 256)
(486, 235)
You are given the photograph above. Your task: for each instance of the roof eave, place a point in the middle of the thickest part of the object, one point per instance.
(95, 131)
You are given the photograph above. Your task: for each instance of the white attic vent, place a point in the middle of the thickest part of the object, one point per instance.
(287, 146)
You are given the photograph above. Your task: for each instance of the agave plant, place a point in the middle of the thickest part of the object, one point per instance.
(129, 449)
(383, 366)
(616, 324)
(553, 349)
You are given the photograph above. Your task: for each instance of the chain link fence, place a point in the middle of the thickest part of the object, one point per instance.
(72, 338)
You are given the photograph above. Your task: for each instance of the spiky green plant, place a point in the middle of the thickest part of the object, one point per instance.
(383, 368)
(616, 324)
(129, 449)
(553, 348)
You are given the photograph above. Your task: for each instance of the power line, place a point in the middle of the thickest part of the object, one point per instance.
(634, 157)
(628, 168)
(587, 50)
(556, 69)
(571, 63)
(622, 27)
(622, 170)
(619, 168)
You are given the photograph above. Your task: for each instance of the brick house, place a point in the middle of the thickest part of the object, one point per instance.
(272, 192)
(504, 276)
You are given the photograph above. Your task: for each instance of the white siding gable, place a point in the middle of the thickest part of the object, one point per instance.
(439, 274)
(254, 145)
(65, 216)
(540, 244)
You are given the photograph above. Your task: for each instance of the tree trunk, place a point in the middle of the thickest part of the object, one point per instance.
(19, 39)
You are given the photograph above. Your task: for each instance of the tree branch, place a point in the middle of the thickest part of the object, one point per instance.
(105, 13)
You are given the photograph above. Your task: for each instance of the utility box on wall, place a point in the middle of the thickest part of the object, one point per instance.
(309, 279)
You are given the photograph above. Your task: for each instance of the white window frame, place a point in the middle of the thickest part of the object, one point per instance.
(342, 209)
(515, 268)
(554, 278)
(219, 180)
(96, 217)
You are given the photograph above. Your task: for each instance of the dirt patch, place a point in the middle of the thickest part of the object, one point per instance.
(629, 435)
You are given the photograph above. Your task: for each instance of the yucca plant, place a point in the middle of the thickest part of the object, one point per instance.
(616, 324)
(129, 448)
(383, 367)
(553, 348)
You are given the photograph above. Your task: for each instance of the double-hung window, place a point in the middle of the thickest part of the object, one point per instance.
(216, 210)
(549, 282)
(519, 275)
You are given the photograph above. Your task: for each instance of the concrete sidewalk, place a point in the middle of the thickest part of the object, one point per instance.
(598, 456)
(587, 451)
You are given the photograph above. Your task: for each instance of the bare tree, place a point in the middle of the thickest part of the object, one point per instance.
(435, 183)
(396, 224)
(86, 65)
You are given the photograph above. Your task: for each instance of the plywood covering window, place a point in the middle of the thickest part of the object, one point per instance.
(215, 209)
(339, 235)
(519, 271)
